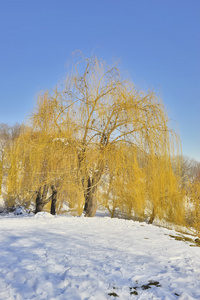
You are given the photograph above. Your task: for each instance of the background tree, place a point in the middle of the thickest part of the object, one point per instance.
(190, 180)
(188, 168)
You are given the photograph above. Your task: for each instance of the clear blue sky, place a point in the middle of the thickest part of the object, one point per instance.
(156, 41)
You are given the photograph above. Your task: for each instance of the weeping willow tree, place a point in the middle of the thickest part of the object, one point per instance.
(97, 138)
(42, 160)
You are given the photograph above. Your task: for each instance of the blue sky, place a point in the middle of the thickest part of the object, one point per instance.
(156, 41)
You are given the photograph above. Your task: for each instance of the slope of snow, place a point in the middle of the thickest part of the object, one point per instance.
(76, 258)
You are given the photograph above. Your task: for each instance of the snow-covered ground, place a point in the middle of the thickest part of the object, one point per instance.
(72, 258)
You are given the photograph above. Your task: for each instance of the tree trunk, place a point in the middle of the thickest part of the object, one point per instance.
(54, 200)
(152, 217)
(39, 206)
(87, 194)
(42, 200)
(90, 190)
(90, 195)
(91, 203)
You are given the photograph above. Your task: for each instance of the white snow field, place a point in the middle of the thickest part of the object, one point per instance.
(77, 258)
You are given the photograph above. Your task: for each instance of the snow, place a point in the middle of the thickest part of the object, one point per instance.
(77, 258)
(43, 215)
